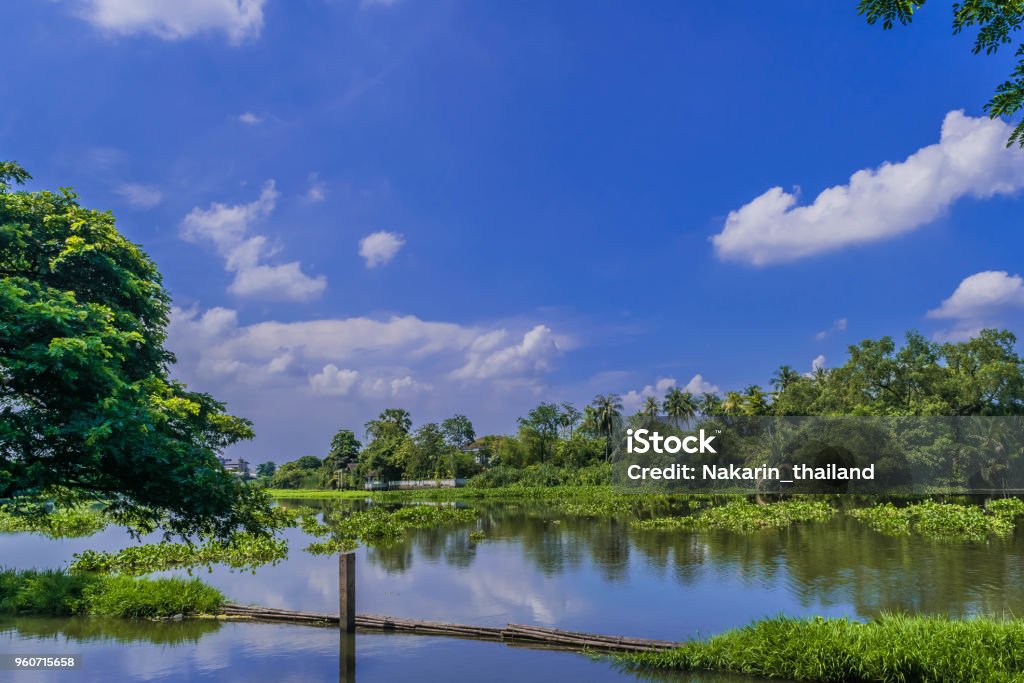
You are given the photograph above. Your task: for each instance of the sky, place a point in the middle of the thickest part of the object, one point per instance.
(464, 206)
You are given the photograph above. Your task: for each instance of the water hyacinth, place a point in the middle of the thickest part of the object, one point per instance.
(744, 517)
(242, 551)
(943, 521)
(378, 525)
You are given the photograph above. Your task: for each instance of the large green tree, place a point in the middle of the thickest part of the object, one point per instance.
(87, 409)
(996, 21)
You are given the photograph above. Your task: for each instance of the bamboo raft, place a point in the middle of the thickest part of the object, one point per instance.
(511, 633)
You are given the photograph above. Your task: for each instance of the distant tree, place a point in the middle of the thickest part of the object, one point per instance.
(734, 403)
(386, 454)
(569, 416)
(710, 404)
(88, 410)
(680, 406)
(651, 409)
(343, 452)
(298, 474)
(995, 20)
(266, 469)
(540, 426)
(391, 422)
(755, 401)
(458, 431)
(784, 377)
(608, 414)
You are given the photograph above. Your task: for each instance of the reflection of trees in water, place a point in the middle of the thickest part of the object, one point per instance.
(119, 630)
(833, 563)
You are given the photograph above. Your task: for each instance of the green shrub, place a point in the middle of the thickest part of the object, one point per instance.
(57, 593)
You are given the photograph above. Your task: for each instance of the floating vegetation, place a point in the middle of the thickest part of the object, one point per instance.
(58, 593)
(378, 525)
(477, 536)
(948, 521)
(242, 551)
(890, 649)
(744, 517)
(73, 522)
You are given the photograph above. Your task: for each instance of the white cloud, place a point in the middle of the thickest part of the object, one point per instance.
(249, 118)
(239, 20)
(140, 196)
(397, 387)
(332, 381)
(216, 342)
(970, 160)
(980, 300)
(837, 327)
(488, 359)
(633, 400)
(816, 364)
(380, 247)
(227, 227)
(317, 191)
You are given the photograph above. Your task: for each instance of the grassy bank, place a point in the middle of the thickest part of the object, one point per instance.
(57, 593)
(891, 649)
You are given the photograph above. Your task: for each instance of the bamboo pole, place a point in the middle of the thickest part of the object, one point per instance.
(512, 633)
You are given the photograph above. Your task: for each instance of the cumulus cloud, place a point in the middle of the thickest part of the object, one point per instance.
(970, 160)
(837, 327)
(140, 196)
(634, 399)
(395, 387)
(489, 357)
(239, 20)
(380, 247)
(333, 381)
(215, 342)
(249, 118)
(817, 364)
(980, 300)
(228, 228)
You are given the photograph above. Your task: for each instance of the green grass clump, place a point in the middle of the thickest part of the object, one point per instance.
(57, 593)
(242, 551)
(948, 521)
(73, 522)
(890, 649)
(744, 517)
(128, 597)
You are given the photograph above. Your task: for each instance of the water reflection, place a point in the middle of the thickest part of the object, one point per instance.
(539, 566)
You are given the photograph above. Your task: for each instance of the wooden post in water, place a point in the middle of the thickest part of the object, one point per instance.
(347, 592)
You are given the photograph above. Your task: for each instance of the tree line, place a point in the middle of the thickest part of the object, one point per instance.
(554, 442)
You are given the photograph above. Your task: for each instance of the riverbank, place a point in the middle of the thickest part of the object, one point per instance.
(890, 649)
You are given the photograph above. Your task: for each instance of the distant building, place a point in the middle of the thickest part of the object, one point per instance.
(239, 467)
(479, 450)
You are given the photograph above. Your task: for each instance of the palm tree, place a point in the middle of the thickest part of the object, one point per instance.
(710, 404)
(650, 410)
(756, 401)
(608, 415)
(784, 377)
(568, 418)
(680, 405)
(734, 403)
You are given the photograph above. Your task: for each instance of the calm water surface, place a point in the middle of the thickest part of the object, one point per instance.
(536, 566)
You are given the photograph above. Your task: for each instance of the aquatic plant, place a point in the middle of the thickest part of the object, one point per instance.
(890, 649)
(66, 522)
(378, 525)
(950, 521)
(242, 551)
(58, 593)
(743, 516)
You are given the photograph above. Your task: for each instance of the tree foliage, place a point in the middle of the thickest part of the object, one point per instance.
(995, 20)
(87, 409)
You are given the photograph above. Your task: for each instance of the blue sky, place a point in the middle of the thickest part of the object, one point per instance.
(463, 206)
